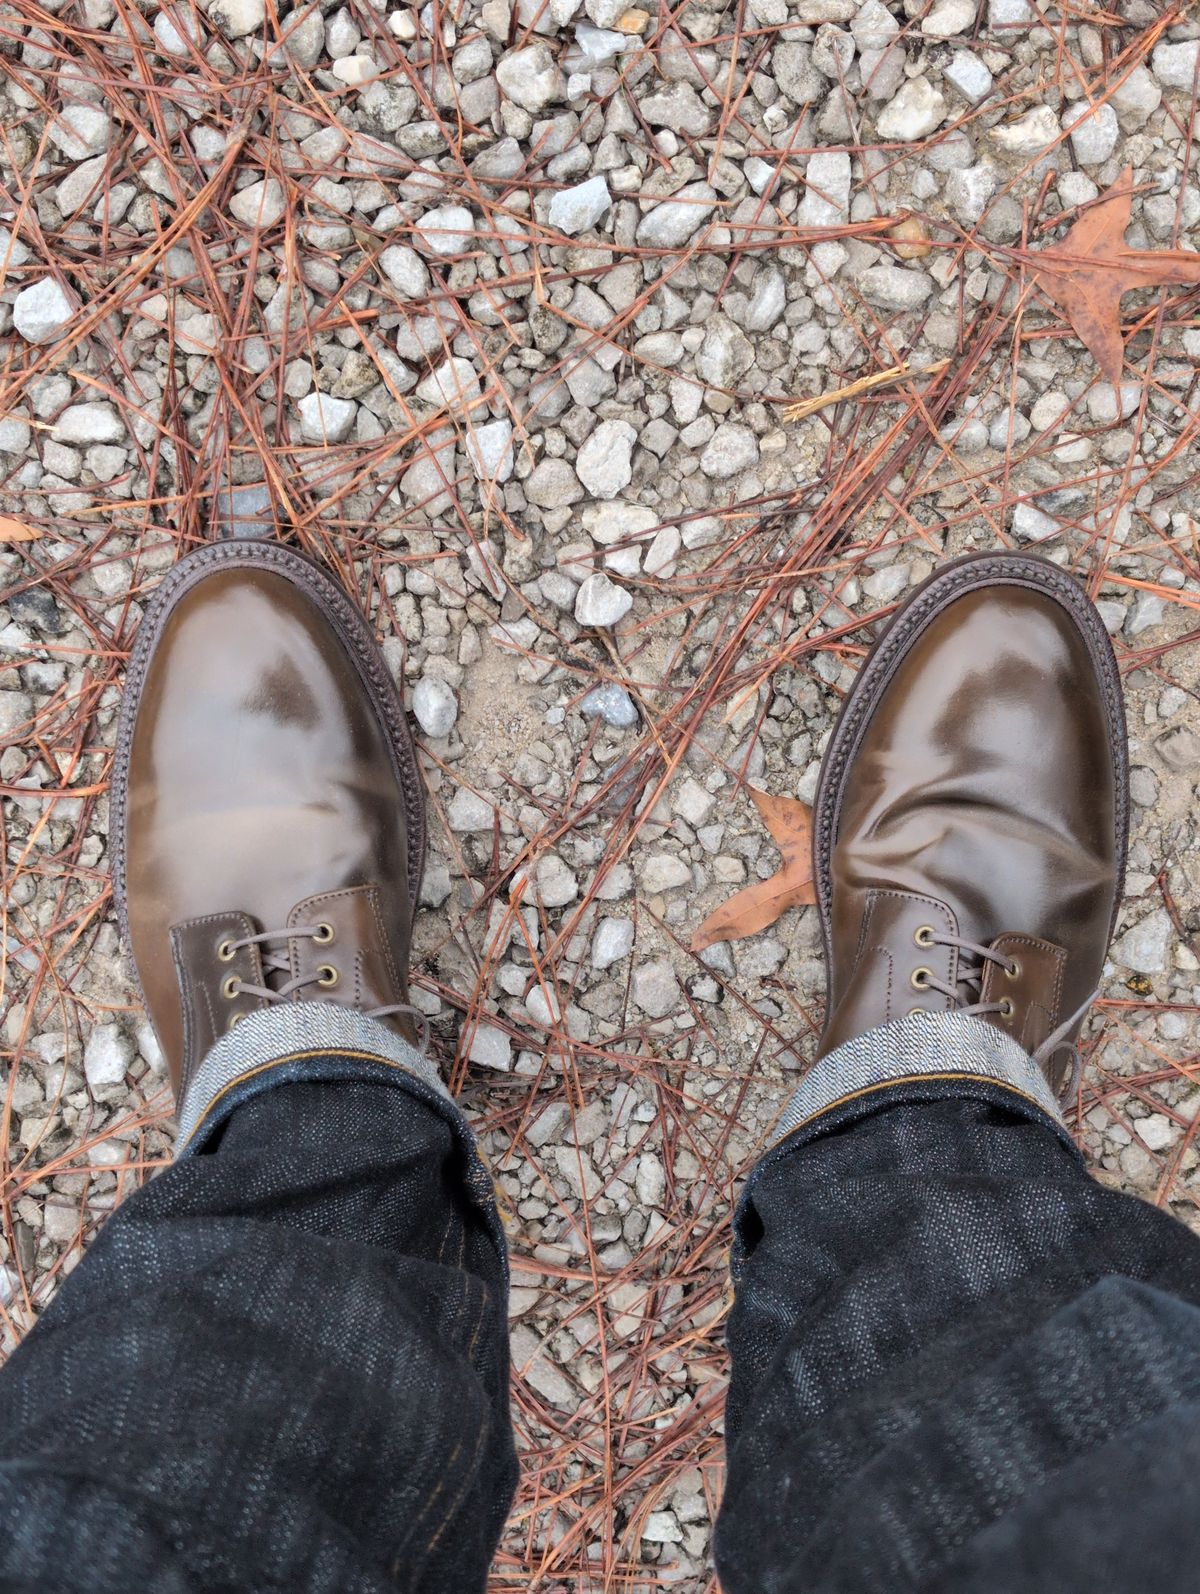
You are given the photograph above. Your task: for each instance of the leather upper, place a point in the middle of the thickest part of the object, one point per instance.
(261, 793)
(980, 802)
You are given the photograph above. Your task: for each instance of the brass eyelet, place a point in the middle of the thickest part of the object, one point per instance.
(226, 951)
(923, 935)
(230, 987)
(327, 975)
(1013, 970)
(234, 1018)
(913, 1011)
(1007, 1007)
(920, 979)
(323, 934)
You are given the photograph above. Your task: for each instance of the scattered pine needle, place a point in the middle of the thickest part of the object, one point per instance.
(865, 384)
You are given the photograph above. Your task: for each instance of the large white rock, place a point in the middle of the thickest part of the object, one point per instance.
(1030, 135)
(83, 182)
(599, 602)
(1174, 65)
(827, 194)
(42, 310)
(604, 465)
(614, 940)
(236, 18)
(260, 204)
(968, 190)
(490, 450)
(670, 224)
(1094, 131)
(894, 287)
(969, 75)
(1144, 948)
(617, 521)
(435, 706)
(531, 78)
(949, 18)
(574, 210)
(446, 229)
(1137, 97)
(80, 131)
(912, 113)
(405, 270)
(107, 1055)
(732, 448)
(324, 419)
(176, 32)
(655, 988)
(454, 384)
(491, 1048)
(873, 26)
(89, 423)
(15, 435)
(304, 38)
(469, 812)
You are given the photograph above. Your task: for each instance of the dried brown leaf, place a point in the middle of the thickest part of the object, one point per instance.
(1092, 269)
(17, 531)
(760, 904)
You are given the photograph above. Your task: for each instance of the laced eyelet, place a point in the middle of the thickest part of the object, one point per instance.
(327, 975)
(920, 979)
(323, 934)
(923, 935)
(1007, 1007)
(226, 951)
(230, 987)
(1013, 971)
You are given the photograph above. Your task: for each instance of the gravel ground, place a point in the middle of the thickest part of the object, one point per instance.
(499, 308)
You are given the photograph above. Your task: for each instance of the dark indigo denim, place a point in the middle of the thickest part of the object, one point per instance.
(282, 1366)
(958, 1364)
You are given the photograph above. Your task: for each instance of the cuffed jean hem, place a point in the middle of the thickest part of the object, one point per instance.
(923, 1057)
(317, 1042)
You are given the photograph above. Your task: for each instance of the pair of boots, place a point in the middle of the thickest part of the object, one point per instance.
(969, 827)
(958, 1364)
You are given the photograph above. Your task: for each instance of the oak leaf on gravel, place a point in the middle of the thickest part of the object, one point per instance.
(759, 905)
(1090, 271)
(17, 531)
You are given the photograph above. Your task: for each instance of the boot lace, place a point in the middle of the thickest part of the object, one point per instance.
(276, 961)
(972, 978)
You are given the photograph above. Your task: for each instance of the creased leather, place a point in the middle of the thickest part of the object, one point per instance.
(984, 781)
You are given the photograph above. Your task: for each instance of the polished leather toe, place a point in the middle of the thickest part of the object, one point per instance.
(980, 790)
(261, 776)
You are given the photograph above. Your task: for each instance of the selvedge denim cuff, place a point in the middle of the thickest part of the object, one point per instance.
(919, 1048)
(283, 1037)
(924, 1057)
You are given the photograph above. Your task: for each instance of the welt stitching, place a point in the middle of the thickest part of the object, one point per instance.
(1019, 572)
(354, 631)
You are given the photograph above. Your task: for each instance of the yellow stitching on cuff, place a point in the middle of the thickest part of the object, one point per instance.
(293, 1057)
(902, 1079)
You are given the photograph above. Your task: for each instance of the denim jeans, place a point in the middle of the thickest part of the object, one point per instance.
(957, 1362)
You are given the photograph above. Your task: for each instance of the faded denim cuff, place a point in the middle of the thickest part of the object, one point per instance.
(318, 1043)
(952, 1047)
(296, 1040)
(924, 1057)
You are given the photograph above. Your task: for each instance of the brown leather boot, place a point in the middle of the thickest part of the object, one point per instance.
(971, 818)
(267, 813)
